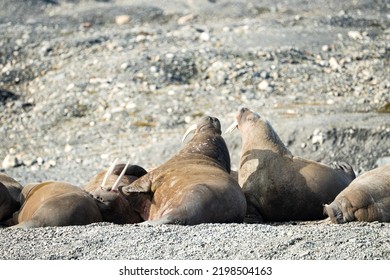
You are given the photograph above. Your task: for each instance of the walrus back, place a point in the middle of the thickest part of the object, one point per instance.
(208, 195)
(56, 204)
(196, 189)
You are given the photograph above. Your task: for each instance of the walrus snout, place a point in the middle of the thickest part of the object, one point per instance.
(244, 110)
(243, 116)
(247, 115)
(204, 124)
(334, 213)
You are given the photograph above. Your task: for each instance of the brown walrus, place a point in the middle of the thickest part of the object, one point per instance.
(56, 204)
(105, 188)
(9, 196)
(367, 198)
(279, 186)
(194, 186)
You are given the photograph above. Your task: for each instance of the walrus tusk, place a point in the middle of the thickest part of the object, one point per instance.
(232, 127)
(109, 171)
(115, 186)
(189, 130)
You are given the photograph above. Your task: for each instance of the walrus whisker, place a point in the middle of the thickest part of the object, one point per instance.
(189, 130)
(109, 171)
(232, 127)
(115, 186)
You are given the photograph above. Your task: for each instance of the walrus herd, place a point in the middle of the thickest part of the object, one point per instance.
(196, 185)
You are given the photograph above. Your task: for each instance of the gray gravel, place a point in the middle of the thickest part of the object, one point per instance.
(83, 82)
(295, 241)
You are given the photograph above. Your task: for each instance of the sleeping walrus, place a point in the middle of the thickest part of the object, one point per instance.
(9, 197)
(106, 187)
(194, 186)
(367, 199)
(279, 186)
(56, 204)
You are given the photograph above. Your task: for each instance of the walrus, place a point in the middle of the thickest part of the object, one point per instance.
(53, 203)
(105, 188)
(9, 196)
(367, 198)
(194, 186)
(277, 185)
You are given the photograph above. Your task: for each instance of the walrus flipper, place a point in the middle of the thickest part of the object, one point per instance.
(347, 168)
(27, 224)
(253, 219)
(142, 185)
(164, 220)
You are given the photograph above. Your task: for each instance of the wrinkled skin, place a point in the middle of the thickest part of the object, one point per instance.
(366, 199)
(194, 186)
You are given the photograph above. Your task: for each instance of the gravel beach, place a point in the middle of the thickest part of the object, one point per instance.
(84, 82)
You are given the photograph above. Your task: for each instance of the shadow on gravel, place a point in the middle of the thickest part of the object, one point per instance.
(6, 96)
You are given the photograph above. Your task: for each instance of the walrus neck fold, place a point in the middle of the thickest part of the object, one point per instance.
(211, 145)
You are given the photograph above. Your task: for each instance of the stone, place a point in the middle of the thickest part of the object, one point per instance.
(122, 19)
(10, 161)
(263, 85)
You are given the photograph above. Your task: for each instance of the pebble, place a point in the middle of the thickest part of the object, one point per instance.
(334, 64)
(204, 36)
(124, 66)
(29, 161)
(68, 148)
(10, 161)
(122, 19)
(263, 85)
(185, 19)
(318, 137)
(356, 35)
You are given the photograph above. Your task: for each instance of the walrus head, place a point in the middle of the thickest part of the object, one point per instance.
(257, 131)
(245, 117)
(334, 212)
(112, 204)
(204, 125)
(106, 194)
(207, 141)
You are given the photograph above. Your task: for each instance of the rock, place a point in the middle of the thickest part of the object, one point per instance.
(68, 148)
(10, 161)
(28, 160)
(325, 48)
(356, 35)
(334, 64)
(318, 137)
(185, 19)
(263, 85)
(122, 19)
(204, 36)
